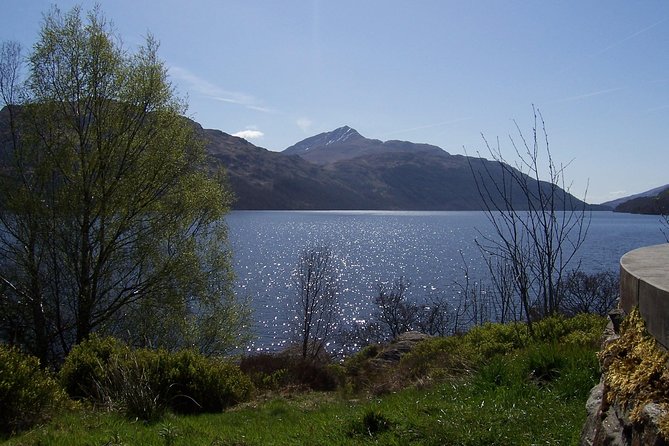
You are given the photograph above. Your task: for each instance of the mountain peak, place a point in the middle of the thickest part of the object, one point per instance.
(341, 134)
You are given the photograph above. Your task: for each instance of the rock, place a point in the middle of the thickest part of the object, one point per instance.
(592, 407)
(402, 345)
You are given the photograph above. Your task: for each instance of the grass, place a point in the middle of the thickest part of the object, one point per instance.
(531, 393)
(450, 414)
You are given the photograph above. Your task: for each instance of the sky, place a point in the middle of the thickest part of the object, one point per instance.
(442, 72)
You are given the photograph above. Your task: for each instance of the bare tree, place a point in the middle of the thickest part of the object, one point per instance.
(438, 317)
(394, 313)
(538, 226)
(589, 293)
(315, 280)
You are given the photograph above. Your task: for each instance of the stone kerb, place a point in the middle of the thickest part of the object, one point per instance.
(644, 281)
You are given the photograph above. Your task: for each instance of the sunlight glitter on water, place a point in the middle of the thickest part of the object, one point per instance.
(430, 249)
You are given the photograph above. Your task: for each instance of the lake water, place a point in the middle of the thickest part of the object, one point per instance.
(430, 249)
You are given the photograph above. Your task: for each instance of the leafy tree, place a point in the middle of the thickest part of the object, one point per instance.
(108, 220)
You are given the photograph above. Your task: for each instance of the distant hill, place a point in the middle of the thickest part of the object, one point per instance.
(657, 204)
(649, 193)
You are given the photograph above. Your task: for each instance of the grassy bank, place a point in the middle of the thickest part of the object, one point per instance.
(492, 386)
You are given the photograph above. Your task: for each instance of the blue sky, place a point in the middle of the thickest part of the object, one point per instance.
(439, 72)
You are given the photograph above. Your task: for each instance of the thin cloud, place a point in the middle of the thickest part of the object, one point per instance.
(629, 37)
(587, 95)
(659, 108)
(215, 92)
(249, 134)
(427, 126)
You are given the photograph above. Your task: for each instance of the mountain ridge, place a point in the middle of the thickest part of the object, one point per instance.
(352, 172)
(649, 193)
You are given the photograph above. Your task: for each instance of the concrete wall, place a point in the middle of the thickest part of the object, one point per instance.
(644, 282)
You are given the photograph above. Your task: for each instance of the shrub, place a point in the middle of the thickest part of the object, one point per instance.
(144, 383)
(86, 367)
(544, 363)
(28, 394)
(271, 372)
(492, 339)
(501, 371)
(201, 384)
(450, 356)
(131, 385)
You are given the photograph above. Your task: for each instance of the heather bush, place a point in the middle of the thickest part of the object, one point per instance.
(28, 394)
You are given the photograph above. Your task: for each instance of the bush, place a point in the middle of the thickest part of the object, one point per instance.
(272, 372)
(200, 384)
(28, 394)
(144, 383)
(86, 367)
(447, 357)
(131, 385)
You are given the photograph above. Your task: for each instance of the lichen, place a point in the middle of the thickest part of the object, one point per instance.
(636, 371)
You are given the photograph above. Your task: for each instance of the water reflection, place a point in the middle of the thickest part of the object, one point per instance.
(430, 249)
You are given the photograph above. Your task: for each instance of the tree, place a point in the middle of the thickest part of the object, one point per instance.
(596, 293)
(538, 236)
(394, 313)
(315, 279)
(108, 221)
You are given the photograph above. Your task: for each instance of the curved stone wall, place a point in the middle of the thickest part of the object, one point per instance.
(644, 282)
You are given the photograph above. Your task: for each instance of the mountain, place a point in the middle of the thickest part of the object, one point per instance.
(657, 204)
(649, 193)
(344, 170)
(346, 143)
(262, 179)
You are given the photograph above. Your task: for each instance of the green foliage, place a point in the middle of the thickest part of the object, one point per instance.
(117, 225)
(453, 413)
(447, 357)
(200, 384)
(568, 371)
(508, 398)
(143, 383)
(483, 350)
(28, 394)
(86, 367)
(544, 363)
